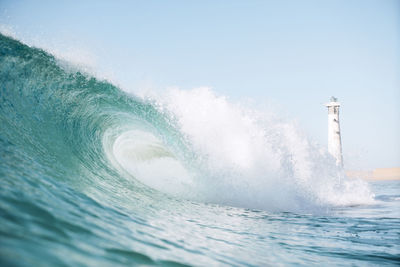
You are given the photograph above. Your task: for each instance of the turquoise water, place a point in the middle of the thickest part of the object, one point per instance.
(93, 176)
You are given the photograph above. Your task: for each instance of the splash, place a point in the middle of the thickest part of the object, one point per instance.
(243, 157)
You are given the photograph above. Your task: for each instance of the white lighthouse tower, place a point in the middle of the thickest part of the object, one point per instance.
(334, 139)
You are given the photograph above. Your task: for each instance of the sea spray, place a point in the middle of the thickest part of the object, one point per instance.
(244, 158)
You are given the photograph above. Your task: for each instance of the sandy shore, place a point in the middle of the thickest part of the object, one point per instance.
(377, 174)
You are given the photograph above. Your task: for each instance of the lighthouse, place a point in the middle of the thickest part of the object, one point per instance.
(334, 139)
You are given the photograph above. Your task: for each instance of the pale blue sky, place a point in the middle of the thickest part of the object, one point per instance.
(293, 54)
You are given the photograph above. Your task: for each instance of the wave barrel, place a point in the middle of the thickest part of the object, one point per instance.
(334, 139)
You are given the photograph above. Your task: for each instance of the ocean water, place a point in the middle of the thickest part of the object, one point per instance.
(93, 176)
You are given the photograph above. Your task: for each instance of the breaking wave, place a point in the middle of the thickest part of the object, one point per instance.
(194, 145)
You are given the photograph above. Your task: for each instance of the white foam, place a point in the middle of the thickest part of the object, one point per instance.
(253, 159)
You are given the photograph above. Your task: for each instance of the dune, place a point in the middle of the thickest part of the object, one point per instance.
(382, 174)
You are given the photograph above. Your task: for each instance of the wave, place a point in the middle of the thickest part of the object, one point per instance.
(190, 145)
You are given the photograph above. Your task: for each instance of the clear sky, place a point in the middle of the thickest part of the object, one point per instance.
(293, 54)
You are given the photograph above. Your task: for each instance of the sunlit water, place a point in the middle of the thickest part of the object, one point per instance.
(92, 176)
